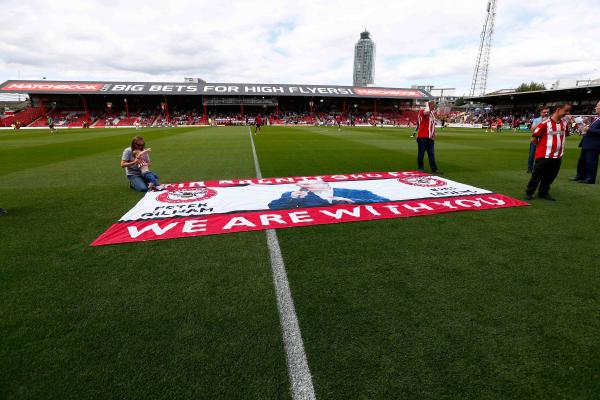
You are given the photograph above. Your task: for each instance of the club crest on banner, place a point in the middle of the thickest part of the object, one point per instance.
(189, 195)
(424, 181)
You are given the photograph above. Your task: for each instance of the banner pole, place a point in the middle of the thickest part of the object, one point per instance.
(167, 109)
(87, 115)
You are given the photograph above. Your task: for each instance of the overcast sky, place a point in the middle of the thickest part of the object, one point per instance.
(418, 42)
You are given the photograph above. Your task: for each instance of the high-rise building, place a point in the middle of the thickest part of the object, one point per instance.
(364, 60)
(194, 80)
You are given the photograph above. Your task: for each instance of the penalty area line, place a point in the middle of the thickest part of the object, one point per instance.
(298, 372)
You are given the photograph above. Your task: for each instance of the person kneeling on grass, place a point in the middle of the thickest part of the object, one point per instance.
(136, 162)
(549, 137)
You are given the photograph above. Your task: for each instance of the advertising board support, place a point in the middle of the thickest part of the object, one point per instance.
(85, 108)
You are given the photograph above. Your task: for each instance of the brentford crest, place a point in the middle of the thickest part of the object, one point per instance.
(424, 181)
(186, 195)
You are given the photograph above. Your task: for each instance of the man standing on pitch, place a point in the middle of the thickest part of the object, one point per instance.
(257, 124)
(587, 167)
(51, 124)
(426, 136)
(536, 121)
(550, 138)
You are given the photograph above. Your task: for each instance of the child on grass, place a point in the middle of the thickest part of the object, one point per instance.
(150, 177)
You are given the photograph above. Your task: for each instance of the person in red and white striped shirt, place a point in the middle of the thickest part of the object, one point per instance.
(549, 137)
(426, 137)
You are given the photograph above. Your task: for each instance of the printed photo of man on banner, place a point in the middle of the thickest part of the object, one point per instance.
(318, 193)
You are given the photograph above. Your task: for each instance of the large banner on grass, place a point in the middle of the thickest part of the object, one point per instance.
(228, 206)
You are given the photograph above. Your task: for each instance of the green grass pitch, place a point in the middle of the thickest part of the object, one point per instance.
(499, 304)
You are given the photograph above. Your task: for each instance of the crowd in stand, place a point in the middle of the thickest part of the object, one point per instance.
(107, 118)
(179, 118)
(488, 118)
(498, 121)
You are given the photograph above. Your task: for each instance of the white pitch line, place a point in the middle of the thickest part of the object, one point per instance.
(298, 371)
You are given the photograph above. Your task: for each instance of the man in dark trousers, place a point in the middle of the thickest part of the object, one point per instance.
(587, 167)
(544, 111)
(257, 124)
(426, 137)
(550, 138)
(51, 124)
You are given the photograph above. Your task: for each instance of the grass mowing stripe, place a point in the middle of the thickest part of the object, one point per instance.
(180, 319)
(298, 371)
(19, 159)
(470, 306)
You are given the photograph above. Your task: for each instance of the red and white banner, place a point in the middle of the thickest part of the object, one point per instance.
(228, 206)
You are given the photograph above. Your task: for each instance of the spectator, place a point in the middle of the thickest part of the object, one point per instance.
(516, 123)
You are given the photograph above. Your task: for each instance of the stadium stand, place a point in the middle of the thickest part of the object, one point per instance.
(24, 117)
(35, 118)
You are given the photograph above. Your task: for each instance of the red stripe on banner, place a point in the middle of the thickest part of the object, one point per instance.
(169, 228)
